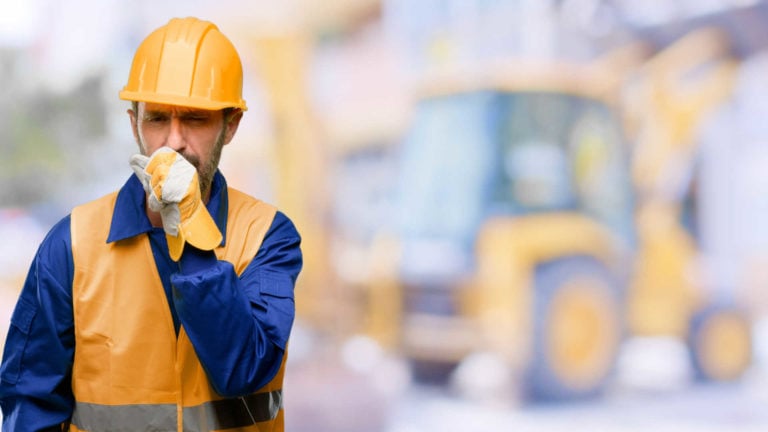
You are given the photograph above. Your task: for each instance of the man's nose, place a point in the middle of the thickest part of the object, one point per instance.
(175, 138)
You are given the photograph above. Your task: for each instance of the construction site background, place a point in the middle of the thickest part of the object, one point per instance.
(332, 89)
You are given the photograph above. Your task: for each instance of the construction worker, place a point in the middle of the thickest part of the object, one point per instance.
(166, 305)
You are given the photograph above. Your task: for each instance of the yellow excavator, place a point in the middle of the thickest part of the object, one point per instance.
(542, 219)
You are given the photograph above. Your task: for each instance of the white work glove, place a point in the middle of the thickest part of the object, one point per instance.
(173, 190)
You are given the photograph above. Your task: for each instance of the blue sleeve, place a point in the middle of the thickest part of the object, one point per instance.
(239, 326)
(35, 375)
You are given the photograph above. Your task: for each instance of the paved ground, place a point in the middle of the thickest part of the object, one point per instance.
(731, 408)
(325, 394)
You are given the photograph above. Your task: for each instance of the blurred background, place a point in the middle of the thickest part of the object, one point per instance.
(517, 214)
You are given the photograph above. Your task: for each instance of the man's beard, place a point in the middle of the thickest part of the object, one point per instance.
(205, 173)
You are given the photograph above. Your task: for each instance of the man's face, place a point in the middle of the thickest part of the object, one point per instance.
(197, 134)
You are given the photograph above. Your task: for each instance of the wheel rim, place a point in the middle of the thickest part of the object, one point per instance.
(583, 332)
(724, 346)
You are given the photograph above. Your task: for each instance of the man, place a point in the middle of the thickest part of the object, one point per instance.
(167, 305)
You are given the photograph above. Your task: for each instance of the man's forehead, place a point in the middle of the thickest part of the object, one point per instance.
(164, 108)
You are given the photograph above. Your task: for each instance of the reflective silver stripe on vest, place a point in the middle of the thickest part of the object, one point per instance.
(232, 413)
(124, 418)
(214, 415)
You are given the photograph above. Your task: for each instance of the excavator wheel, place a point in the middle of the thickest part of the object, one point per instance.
(720, 343)
(578, 327)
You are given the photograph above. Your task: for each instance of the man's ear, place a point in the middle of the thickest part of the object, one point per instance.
(232, 123)
(134, 124)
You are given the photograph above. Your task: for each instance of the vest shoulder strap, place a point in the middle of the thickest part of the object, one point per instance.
(248, 221)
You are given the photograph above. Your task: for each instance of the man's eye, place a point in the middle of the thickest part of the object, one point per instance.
(154, 119)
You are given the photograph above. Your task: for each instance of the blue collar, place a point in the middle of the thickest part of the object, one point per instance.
(129, 218)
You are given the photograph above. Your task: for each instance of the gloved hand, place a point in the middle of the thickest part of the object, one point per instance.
(173, 190)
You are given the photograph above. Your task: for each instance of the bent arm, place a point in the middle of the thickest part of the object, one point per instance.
(239, 326)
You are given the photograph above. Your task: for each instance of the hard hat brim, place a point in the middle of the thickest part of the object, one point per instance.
(184, 101)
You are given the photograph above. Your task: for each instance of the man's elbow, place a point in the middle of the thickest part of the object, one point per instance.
(250, 380)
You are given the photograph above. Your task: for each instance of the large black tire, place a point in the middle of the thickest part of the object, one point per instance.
(720, 343)
(577, 330)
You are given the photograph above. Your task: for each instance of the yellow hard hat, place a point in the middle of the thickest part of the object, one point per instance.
(187, 62)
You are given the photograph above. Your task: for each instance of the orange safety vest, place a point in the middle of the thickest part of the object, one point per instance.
(131, 374)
